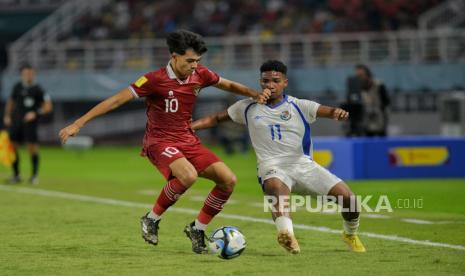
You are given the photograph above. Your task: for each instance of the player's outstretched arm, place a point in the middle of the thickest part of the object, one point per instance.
(211, 120)
(237, 88)
(103, 107)
(335, 113)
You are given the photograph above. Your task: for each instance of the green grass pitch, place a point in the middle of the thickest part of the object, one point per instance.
(64, 226)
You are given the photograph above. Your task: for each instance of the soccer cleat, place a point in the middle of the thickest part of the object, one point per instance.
(288, 241)
(353, 242)
(197, 238)
(149, 229)
(15, 179)
(34, 180)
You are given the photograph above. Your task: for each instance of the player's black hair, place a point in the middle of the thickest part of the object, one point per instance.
(365, 69)
(181, 40)
(25, 66)
(273, 65)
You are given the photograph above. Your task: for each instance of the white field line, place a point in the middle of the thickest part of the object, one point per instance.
(148, 192)
(328, 212)
(332, 211)
(202, 199)
(116, 202)
(417, 221)
(376, 216)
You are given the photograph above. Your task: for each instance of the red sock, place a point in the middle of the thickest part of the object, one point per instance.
(168, 196)
(213, 205)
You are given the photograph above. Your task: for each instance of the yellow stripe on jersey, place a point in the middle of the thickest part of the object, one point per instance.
(141, 81)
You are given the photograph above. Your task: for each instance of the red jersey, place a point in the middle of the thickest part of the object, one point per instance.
(170, 102)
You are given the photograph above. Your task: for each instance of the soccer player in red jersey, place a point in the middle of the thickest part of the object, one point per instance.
(169, 142)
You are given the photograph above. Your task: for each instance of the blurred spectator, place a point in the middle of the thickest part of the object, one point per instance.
(367, 104)
(29, 3)
(123, 19)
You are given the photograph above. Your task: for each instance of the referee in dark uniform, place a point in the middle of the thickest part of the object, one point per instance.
(27, 103)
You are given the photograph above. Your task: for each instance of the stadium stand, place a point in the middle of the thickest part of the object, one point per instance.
(126, 19)
(29, 4)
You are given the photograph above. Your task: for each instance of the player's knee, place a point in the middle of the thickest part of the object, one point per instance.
(232, 181)
(275, 187)
(188, 178)
(229, 183)
(349, 201)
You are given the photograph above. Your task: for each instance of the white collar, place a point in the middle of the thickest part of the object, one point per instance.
(170, 71)
(172, 75)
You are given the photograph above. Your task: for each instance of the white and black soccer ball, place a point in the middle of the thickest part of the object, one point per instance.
(227, 242)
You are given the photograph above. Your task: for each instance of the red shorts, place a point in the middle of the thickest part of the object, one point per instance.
(163, 154)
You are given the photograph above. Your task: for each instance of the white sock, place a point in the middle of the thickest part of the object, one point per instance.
(154, 216)
(284, 223)
(200, 226)
(351, 226)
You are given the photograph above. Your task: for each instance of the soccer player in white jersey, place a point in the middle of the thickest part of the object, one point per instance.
(280, 135)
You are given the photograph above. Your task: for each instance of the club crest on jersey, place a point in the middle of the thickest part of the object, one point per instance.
(196, 90)
(285, 115)
(170, 94)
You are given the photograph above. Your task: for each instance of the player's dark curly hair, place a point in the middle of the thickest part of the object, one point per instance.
(273, 65)
(181, 40)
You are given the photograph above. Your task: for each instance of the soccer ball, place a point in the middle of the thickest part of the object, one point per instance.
(227, 242)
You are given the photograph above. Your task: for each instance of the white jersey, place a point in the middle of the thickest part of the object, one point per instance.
(279, 133)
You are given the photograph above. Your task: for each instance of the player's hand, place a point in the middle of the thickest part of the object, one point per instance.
(69, 131)
(340, 114)
(30, 116)
(7, 121)
(190, 125)
(263, 97)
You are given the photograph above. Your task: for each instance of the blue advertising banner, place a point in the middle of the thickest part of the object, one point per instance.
(400, 157)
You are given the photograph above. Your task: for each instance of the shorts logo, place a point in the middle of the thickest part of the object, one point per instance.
(285, 115)
(141, 81)
(170, 94)
(270, 172)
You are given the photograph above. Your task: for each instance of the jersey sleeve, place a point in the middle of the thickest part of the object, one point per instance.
(47, 97)
(39, 97)
(142, 87)
(42, 95)
(237, 111)
(309, 109)
(208, 77)
(15, 92)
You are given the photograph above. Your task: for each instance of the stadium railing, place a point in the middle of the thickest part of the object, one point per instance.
(47, 31)
(402, 47)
